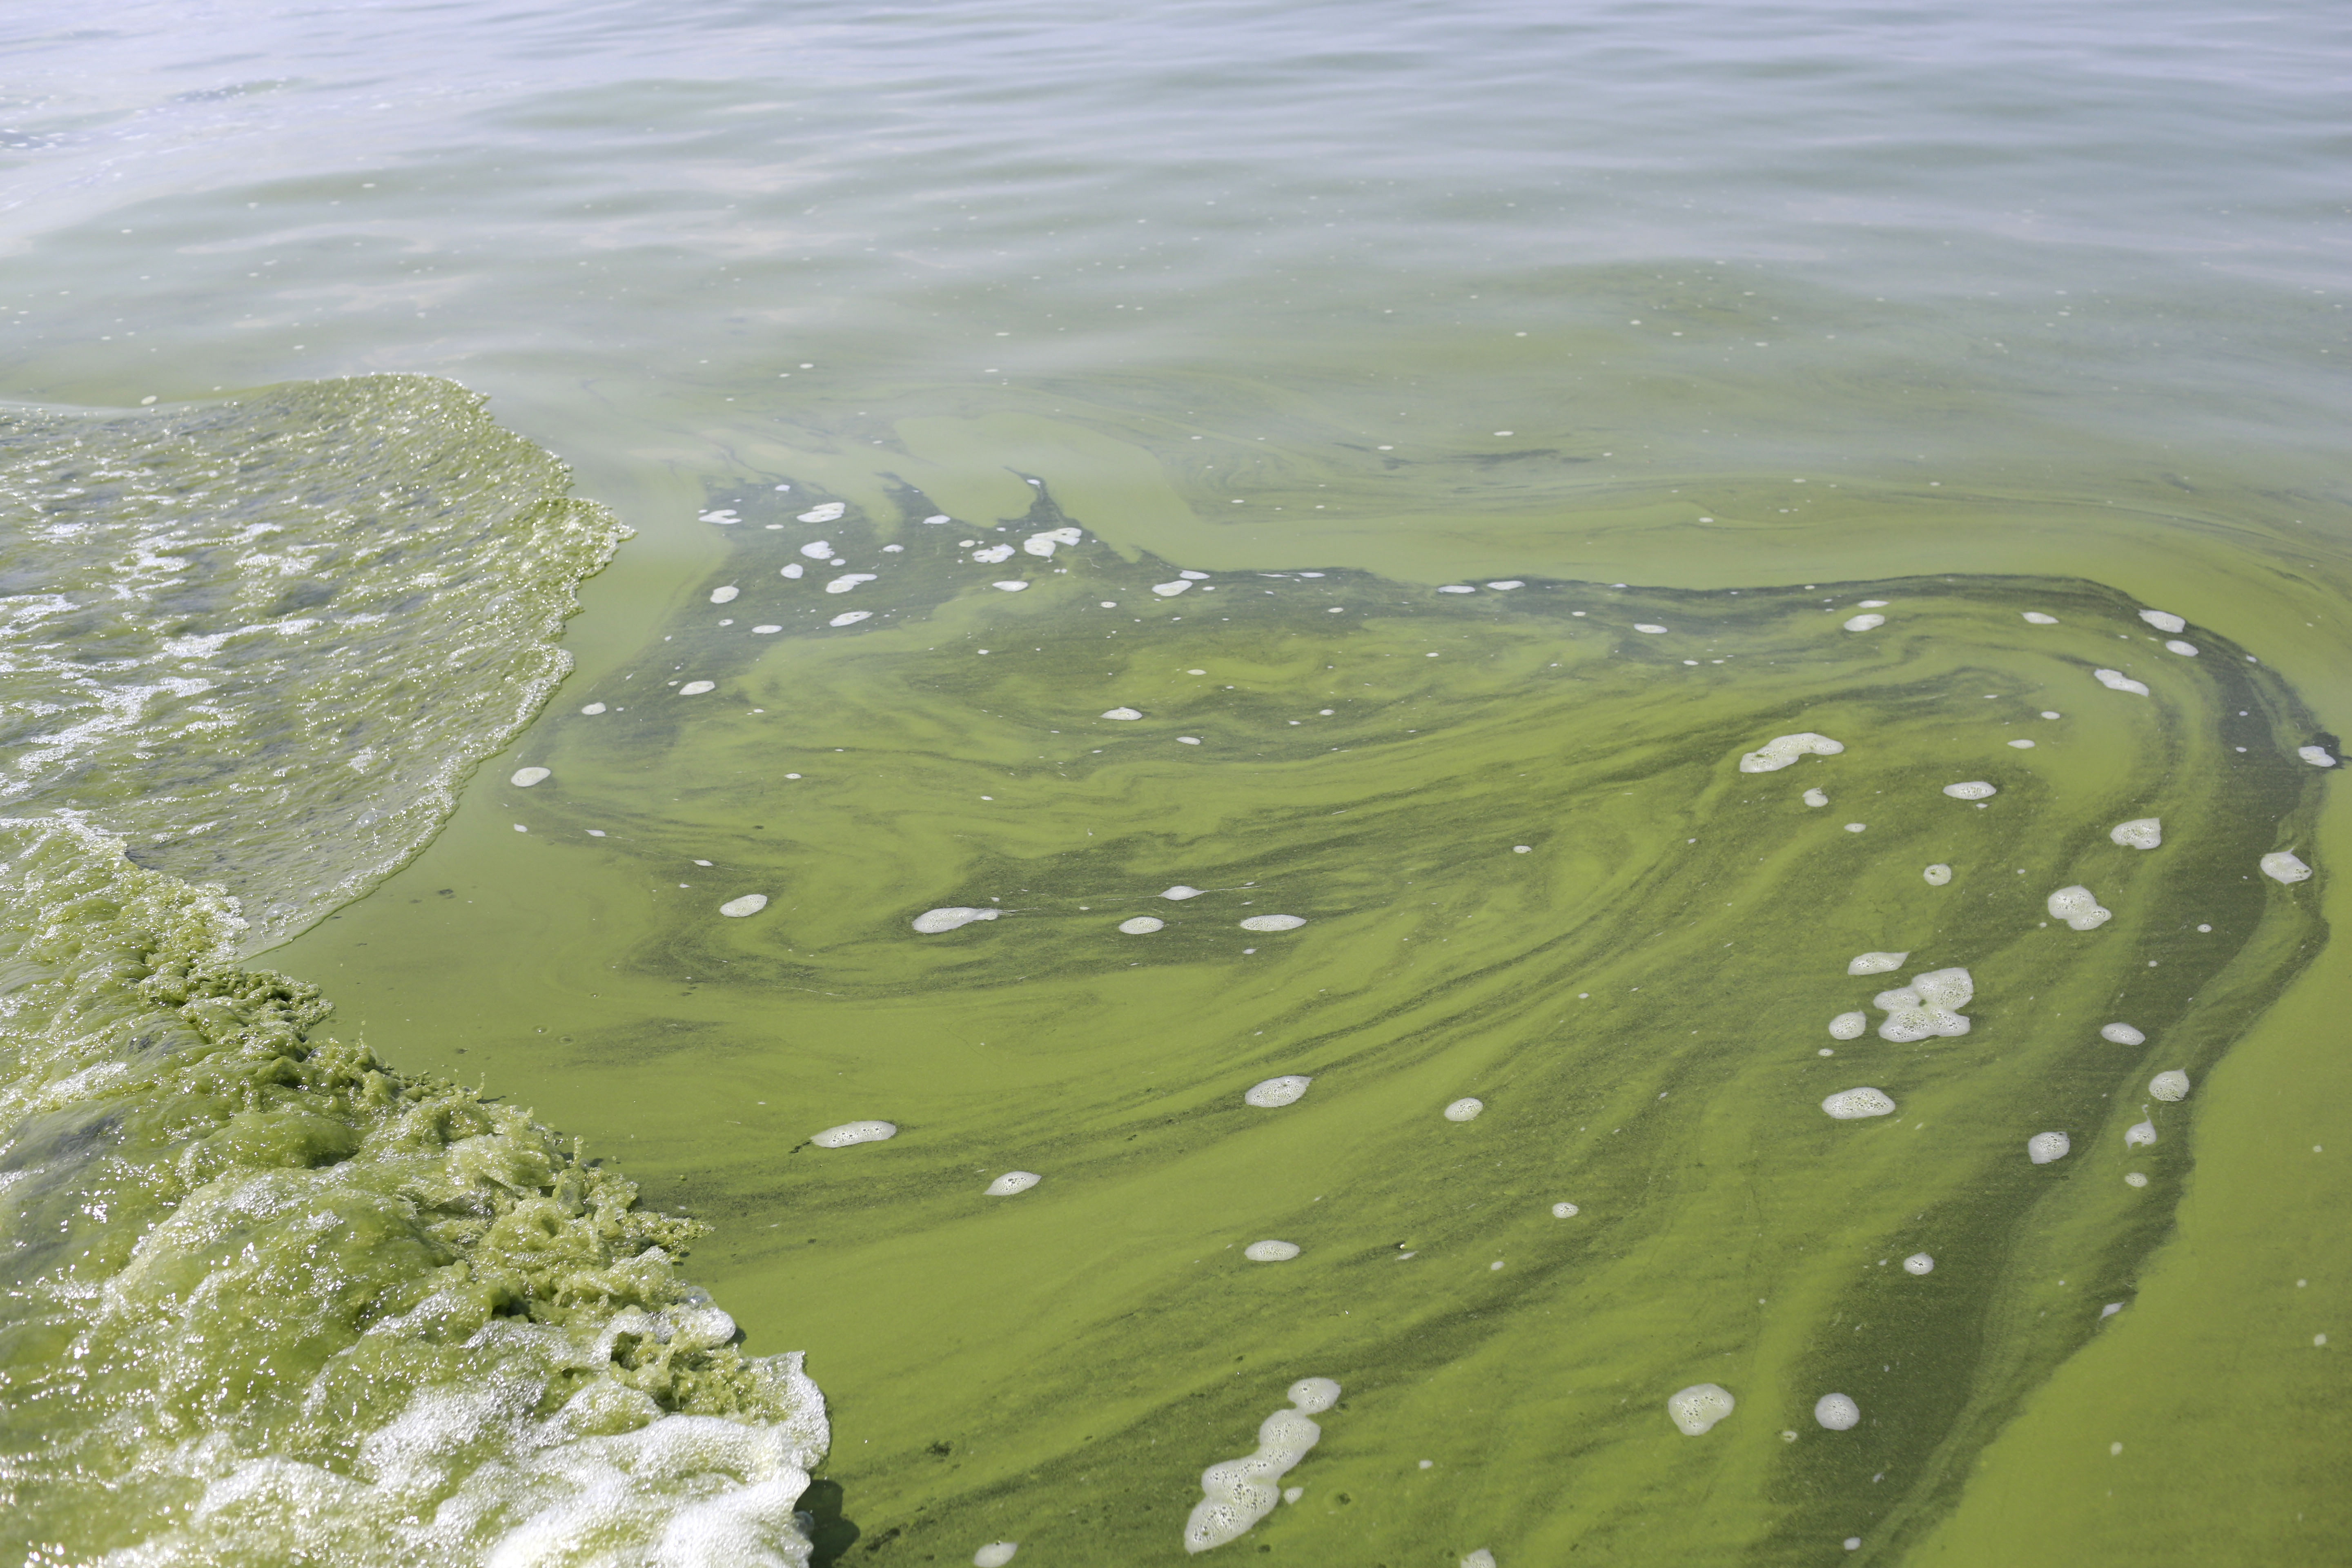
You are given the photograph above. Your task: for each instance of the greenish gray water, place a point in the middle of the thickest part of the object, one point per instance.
(1756, 312)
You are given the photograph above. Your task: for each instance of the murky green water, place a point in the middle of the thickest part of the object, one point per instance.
(1714, 320)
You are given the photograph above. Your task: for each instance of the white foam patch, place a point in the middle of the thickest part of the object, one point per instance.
(1481, 1558)
(1009, 585)
(1288, 1090)
(818, 550)
(1121, 713)
(846, 580)
(930, 922)
(1457, 588)
(2044, 1147)
(2023, 745)
(2139, 1134)
(1782, 750)
(1273, 923)
(593, 708)
(1046, 543)
(2135, 1179)
(829, 513)
(1180, 892)
(2116, 680)
(1270, 1251)
(1507, 584)
(724, 516)
(523, 778)
(2122, 1035)
(850, 617)
(2140, 833)
(2164, 620)
(1563, 1211)
(1849, 1025)
(937, 517)
(724, 595)
(2317, 756)
(1237, 1493)
(749, 904)
(1920, 1263)
(1193, 576)
(1141, 925)
(1938, 874)
(992, 554)
(996, 1553)
(793, 571)
(1698, 1408)
(1170, 590)
(1012, 1181)
(1837, 1412)
(2169, 1086)
(2185, 650)
(1876, 963)
(1857, 1104)
(697, 688)
(1815, 797)
(1645, 627)
(2281, 866)
(853, 1133)
(1467, 1109)
(1865, 622)
(1929, 1005)
(2036, 618)
(766, 631)
(2078, 908)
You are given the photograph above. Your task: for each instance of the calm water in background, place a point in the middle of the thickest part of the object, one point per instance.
(1681, 296)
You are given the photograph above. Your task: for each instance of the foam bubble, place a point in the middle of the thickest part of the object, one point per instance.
(1782, 750)
(1170, 590)
(2169, 1085)
(1288, 1090)
(1815, 797)
(1467, 1109)
(2140, 833)
(818, 550)
(2044, 1147)
(1698, 1407)
(697, 688)
(829, 513)
(724, 595)
(766, 631)
(749, 904)
(996, 1553)
(2316, 756)
(523, 778)
(1270, 1251)
(937, 517)
(2023, 745)
(2078, 908)
(2116, 680)
(1012, 1181)
(1457, 588)
(1314, 1394)
(2139, 1134)
(1875, 963)
(2134, 1178)
(2036, 618)
(1920, 1263)
(2122, 1035)
(593, 708)
(1010, 586)
(850, 1132)
(1929, 1007)
(992, 554)
(1563, 1211)
(2185, 650)
(1180, 892)
(1237, 1493)
(846, 580)
(795, 571)
(1191, 576)
(1849, 1025)
(1481, 1558)
(1837, 1413)
(1937, 874)
(1043, 544)
(930, 922)
(2281, 867)
(2164, 620)
(1865, 622)
(1857, 1104)
(724, 516)
(1141, 925)
(1507, 584)
(1643, 626)
(1273, 923)
(850, 617)
(1121, 713)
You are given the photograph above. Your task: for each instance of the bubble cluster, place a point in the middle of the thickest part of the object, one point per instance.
(1929, 1005)
(1273, 923)
(1270, 1251)
(1782, 750)
(523, 778)
(1849, 1025)
(1465, 1109)
(1288, 1090)
(749, 904)
(2280, 866)
(2122, 1035)
(1696, 1409)
(2078, 908)
(1936, 876)
(930, 922)
(1920, 1263)
(1237, 1493)
(1012, 1181)
(850, 1132)
(2116, 680)
(1837, 1413)
(1141, 925)
(1875, 963)
(2140, 833)
(1858, 1104)
(2169, 1085)
(2044, 1147)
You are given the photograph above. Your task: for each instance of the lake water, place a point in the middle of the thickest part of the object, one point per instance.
(1121, 477)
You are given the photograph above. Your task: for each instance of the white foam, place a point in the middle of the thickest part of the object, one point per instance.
(2078, 908)
(2139, 1134)
(1507, 584)
(1782, 750)
(593, 708)
(723, 515)
(937, 517)
(1288, 1090)
(1837, 1413)
(1875, 963)
(2185, 650)
(793, 571)
(1481, 1558)
(764, 631)
(1849, 1025)
(2116, 680)
(1141, 925)
(1010, 586)
(2164, 620)
(523, 778)
(1857, 1104)
(846, 580)
(1563, 1211)
(1865, 622)
(850, 617)
(1180, 892)
(1937, 875)
(1467, 1109)
(1045, 543)
(724, 595)
(2169, 1085)
(2316, 755)
(1920, 1263)
(1929, 1007)
(1857, 827)
(749, 904)
(1237, 1493)
(830, 511)
(697, 688)
(1457, 588)
(992, 554)
(1121, 713)
(1644, 627)
(1273, 923)
(2140, 833)
(2281, 866)
(1170, 590)
(996, 1553)
(2044, 1147)
(850, 1132)
(1191, 576)
(2036, 618)
(1012, 1181)
(818, 550)
(1698, 1407)
(1815, 797)
(2023, 745)
(2122, 1035)
(1270, 1251)
(2135, 1179)
(930, 922)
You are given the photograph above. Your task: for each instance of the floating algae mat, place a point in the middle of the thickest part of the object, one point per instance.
(990, 863)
